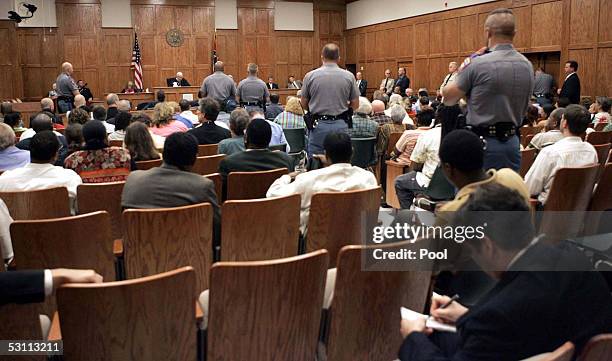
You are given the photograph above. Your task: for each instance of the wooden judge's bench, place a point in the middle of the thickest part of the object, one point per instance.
(175, 94)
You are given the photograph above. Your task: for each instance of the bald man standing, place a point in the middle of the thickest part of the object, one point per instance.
(67, 88)
(498, 82)
(452, 74)
(218, 86)
(330, 94)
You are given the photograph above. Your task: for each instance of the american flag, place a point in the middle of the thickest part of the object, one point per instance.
(136, 63)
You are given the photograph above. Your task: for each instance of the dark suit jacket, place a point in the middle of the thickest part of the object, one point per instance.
(22, 286)
(363, 87)
(111, 113)
(274, 86)
(168, 186)
(252, 161)
(170, 82)
(403, 83)
(528, 313)
(210, 133)
(571, 89)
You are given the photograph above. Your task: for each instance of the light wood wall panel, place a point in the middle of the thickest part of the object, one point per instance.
(548, 31)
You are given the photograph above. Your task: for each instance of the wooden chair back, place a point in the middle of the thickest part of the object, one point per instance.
(599, 137)
(150, 318)
(205, 150)
(528, 156)
(598, 348)
(571, 189)
(272, 232)
(570, 192)
(160, 240)
(278, 303)
(394, 170)
(216, 178)
(148, 164)
(603, 150)
(82, 241)
(365, 310)
(39, 204)
(208, 164)
(393, 138)
(564, 352)
(20, 322)
(251, 185)
(93, 197)
(115, 143)
(338, 219)
(601, 201)
(529, 138)
(525, 131)
(600, 126)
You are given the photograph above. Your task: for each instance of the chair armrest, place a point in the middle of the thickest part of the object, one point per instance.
(199, 313)
(55, 333)
(118, 248)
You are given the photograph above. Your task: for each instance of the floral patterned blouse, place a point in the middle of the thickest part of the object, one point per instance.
(110, 164)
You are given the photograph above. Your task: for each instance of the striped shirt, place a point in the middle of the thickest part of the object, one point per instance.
(290, 120)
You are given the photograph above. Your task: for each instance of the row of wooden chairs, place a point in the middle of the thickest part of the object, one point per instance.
(276, 303)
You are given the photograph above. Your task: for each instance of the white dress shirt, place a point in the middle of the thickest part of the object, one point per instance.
(29, 133)
(569, 152)
(426, 152)
(39, 176)
(5, 235)
(338, 177)
(188, 114)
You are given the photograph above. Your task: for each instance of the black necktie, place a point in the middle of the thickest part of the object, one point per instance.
(447, 79)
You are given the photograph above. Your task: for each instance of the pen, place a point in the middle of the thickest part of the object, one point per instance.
(454, 298)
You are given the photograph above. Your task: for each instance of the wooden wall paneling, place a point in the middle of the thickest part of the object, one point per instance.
(469, 34)
(435, 39)
(449, 38)
(605, 30)
(422, 39)
(227, 50)
(184, 19)
(380, 45)
(361, 47)
(546, 22)
(203, 20)
(143, 19)
(583, 21)
(405, 42)
(604, 75)
(351, 48)
(164, 19)
(586, 70)
(522, 39)
(421, 73)
(9, 62)
(324, 25)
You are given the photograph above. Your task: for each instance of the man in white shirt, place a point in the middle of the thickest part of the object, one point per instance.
(41, 173)
(186, 112)
(423, 163)
(5, 235)
(569, 152)
(340, 176)
(452, 74)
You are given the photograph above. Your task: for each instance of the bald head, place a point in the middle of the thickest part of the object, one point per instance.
(79, 101)
(378, 106)
(219, 66)
(331, 52)
(41, 122)
(123, 105)
(501, 24)
(67, 68)
(179, 75)
(112, 99)
(46, 103)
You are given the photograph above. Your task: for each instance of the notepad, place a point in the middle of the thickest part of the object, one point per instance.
(429, 323)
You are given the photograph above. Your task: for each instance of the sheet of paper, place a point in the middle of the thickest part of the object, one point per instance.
(430, 322)
(188, 97)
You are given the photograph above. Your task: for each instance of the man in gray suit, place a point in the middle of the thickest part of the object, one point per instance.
(172, 184)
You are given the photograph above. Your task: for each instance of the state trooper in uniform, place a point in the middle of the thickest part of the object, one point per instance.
(498, 82)
(330, 95)
(252, 91)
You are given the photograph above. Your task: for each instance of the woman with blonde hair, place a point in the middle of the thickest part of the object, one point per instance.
(164, 123)
(292, 116)
(139, 142)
